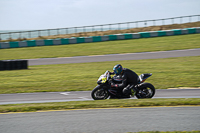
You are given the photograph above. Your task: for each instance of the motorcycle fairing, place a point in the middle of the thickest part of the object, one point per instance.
(143, 77)
(103, 78)
(114, 92)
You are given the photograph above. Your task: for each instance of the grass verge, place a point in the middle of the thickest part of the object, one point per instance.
(101, 48)
(109, 103)
(167, 73)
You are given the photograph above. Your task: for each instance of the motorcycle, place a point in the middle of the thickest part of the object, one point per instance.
(104, 90)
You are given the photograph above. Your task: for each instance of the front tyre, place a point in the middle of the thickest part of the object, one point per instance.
(145, 90)
(99, 93)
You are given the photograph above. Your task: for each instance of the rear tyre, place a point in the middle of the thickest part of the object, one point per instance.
(99, 93)
(145, 90)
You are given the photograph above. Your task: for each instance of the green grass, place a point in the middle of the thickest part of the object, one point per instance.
(108, 47)
(167, 73)
(109, 103)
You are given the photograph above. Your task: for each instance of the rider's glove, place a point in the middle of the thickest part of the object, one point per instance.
(111, 73)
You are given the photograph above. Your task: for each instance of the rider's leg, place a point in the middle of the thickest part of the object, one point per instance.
(128, 88)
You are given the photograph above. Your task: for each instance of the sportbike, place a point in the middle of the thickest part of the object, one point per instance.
(104, 90)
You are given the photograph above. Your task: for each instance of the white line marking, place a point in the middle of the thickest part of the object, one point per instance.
(84, 98)
(67, 93)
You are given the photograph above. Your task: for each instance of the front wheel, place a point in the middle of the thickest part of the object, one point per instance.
(145, 90)
(99, 93)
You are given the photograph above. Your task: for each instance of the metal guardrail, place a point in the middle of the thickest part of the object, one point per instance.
(94, 28)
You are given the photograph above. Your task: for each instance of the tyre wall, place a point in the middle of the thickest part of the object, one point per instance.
(13, 64)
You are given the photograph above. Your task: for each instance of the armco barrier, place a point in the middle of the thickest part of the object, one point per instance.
(13, 64)
(63, 41)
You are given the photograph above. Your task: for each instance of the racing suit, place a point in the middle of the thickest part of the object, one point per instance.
(129, 80)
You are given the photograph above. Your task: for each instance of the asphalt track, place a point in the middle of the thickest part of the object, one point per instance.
(44, 97)
(120, 120)
(115, 57)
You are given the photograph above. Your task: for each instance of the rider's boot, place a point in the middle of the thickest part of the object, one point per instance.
(126, 92)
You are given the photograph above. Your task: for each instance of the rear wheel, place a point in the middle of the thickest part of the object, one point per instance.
(145, 90)
(99, 93)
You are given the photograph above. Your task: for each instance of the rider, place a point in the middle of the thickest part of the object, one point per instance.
(129, 79)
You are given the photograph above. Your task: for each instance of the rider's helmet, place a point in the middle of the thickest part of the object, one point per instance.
(118, 69)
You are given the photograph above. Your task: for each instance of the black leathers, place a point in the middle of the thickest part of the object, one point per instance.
(128, 77)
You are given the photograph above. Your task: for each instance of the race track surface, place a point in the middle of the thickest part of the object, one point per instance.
(120, 120)
(115, 57)
(43, 97)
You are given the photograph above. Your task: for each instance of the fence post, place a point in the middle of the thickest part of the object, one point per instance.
(75, 29)
(128, 25)
(84, 31)
(145, 23)
(102, 28)
(180, 20)
(58, 33)
(118, 26)
(20, 34)
(163, 21)
(66, 30)
(154, 23)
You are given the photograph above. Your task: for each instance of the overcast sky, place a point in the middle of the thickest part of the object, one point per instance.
(47, 14)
